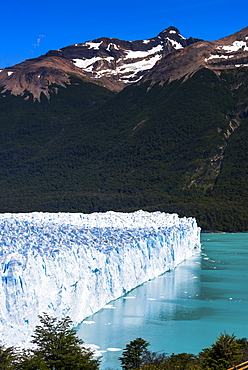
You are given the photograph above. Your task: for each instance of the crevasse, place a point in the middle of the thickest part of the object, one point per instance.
(73, 263)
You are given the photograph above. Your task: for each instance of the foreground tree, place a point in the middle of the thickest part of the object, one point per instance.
(58, 348)
(31, 361)
(8, 358)
(226, 352)
(132, 356)
(244, 344)
(182, 361)
(152, 360)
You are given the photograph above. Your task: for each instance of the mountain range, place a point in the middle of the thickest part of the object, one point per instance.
(158, 124)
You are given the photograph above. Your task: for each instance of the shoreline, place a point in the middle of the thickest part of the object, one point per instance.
(222, 232)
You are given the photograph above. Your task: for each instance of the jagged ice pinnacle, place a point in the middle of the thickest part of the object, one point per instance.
(73, 264)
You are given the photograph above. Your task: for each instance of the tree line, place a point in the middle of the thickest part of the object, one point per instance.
(57, 347)
(225, 353)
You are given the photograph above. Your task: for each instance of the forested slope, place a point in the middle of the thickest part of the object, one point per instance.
(178, 147)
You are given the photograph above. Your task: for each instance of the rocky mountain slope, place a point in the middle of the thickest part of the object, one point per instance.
(228, 53)
(109, 62)
(115, 63)
(174, 140)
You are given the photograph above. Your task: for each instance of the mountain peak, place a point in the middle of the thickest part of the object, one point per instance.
(169, 31)
(227, 53)
(110, 62)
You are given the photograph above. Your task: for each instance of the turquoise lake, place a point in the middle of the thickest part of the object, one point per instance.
(183, 310)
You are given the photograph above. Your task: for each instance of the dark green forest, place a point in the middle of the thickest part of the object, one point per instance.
(181, 147)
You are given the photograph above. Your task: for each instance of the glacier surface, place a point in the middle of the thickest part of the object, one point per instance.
(73, 264)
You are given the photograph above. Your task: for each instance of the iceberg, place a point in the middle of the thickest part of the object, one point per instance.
(74, 264)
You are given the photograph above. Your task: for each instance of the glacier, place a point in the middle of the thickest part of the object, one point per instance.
(74, 264)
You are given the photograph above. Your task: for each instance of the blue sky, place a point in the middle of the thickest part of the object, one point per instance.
(31, 28)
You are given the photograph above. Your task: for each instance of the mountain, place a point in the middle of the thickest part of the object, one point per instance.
(228, 53)
(109, 62)
(171, 137)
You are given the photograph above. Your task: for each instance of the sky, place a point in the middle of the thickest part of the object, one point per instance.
(32, 28)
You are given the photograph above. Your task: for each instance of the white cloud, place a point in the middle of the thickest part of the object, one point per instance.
(38, 41)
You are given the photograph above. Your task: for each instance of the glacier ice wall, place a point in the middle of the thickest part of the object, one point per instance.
(73, 264)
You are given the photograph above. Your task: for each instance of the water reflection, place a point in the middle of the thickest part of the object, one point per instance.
(183, 310)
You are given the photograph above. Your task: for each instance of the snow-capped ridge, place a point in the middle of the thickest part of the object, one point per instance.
(126, 62)
(110, 62)
(115, 63)
(227, 53)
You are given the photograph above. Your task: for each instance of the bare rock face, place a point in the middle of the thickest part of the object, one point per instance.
(109, 62)
(227, 53)
(37, 75)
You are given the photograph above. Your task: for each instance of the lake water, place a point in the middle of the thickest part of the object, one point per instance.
(182, 310)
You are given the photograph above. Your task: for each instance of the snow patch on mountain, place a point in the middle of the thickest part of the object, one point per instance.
(88, 64)
(131, 70)
(235, 46)
(112, 45)
(175, 44)
(126, 68)
(218, 56)
(125, 72)
(131, 54)
(93, 45)
(74, 264)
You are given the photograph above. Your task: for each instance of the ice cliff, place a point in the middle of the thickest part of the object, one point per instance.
(73, 264)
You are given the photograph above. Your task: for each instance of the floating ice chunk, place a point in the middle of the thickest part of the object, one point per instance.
(88, 322)
(114, 349)
(129, 297)
(92, 346)
(95, 349)
(109, 306)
